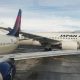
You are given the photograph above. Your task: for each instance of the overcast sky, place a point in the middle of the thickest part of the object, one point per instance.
(42, 15)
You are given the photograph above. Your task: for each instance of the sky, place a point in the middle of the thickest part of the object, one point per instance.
(42, 15)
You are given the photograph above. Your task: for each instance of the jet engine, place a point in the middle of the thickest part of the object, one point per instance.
(7, 70)
(70, 45)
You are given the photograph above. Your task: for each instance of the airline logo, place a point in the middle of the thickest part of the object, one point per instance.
(69, 35)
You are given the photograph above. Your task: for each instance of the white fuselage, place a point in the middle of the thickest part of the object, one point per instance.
(68, 40)
(60, 36)
(7, 44)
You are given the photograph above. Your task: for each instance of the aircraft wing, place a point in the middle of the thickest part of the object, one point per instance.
(6, 29)
(39, 38)
(21, 56)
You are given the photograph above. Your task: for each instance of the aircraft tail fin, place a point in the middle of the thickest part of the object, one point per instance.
(16, 29)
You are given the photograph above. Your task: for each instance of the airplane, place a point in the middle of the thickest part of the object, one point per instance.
(56, 40)
(9, 42)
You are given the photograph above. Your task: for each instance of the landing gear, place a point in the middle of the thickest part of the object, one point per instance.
(48, 49)
(47, 46)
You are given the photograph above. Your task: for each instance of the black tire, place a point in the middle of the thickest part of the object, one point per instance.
(48, 49)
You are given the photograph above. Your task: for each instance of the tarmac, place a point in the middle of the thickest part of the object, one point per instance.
(50, 68)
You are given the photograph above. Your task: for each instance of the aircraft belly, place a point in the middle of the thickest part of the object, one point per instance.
(7, 48)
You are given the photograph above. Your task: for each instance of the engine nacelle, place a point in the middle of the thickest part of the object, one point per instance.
(69, 45)
(7, 70)
(29, 42)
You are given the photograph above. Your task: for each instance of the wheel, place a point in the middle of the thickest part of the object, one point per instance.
(48, 49)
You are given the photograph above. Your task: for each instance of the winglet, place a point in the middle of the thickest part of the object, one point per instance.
(15, 31)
